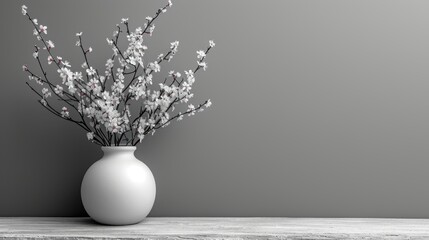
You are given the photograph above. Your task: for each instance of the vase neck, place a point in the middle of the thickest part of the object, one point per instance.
(113, 150)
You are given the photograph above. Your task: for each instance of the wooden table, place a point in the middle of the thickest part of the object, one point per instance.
(217, 228)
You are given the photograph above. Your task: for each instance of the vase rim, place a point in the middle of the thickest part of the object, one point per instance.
(119, 147)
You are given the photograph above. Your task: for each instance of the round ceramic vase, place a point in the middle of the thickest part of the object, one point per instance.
(118, 189)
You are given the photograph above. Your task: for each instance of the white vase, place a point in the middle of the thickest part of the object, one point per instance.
(118, 189)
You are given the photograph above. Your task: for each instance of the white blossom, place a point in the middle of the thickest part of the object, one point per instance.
(36, 54)
(149, 18)
(151, 122)
(140, 129)
(58, 90)
(90, 71)
(170, 4)
(203, 65)
(201, 54)
(66, 63)
(211, 43)
(90, 49)
(132, 60)
(65, 74)
(190, 76)
(174, 46)
(77, 75)
(90, 135)
(164, 119)
(35, 21)
(138, 31)
(180, 118)
(140, 136)
(46, 93)
(64, 112)
(118, 86)
(124, 20)
(151, 29)
(208, 103)
(109, 42)
(94, 86)
(50, 44)
(120, 74)
(50, 59)
(24, 10)
(115, 51)
(39, 81)
(24, 68)
(122, 62)
(137, 91)
(109, 63)
(191, 110)
(154, 66)
(43, 29)
(72, 88)
(78, 34)
(148, 79)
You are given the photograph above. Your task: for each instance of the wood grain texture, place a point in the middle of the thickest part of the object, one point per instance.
(217, 228)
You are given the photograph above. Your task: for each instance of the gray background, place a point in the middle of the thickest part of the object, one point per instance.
(321, 109)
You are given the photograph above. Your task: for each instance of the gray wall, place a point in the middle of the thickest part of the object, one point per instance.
(321, 108)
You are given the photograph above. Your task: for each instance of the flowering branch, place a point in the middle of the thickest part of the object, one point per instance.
(104, 111)
(149, 27)
(46, 105)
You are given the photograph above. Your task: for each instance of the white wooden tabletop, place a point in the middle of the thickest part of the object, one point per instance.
(217, 228)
